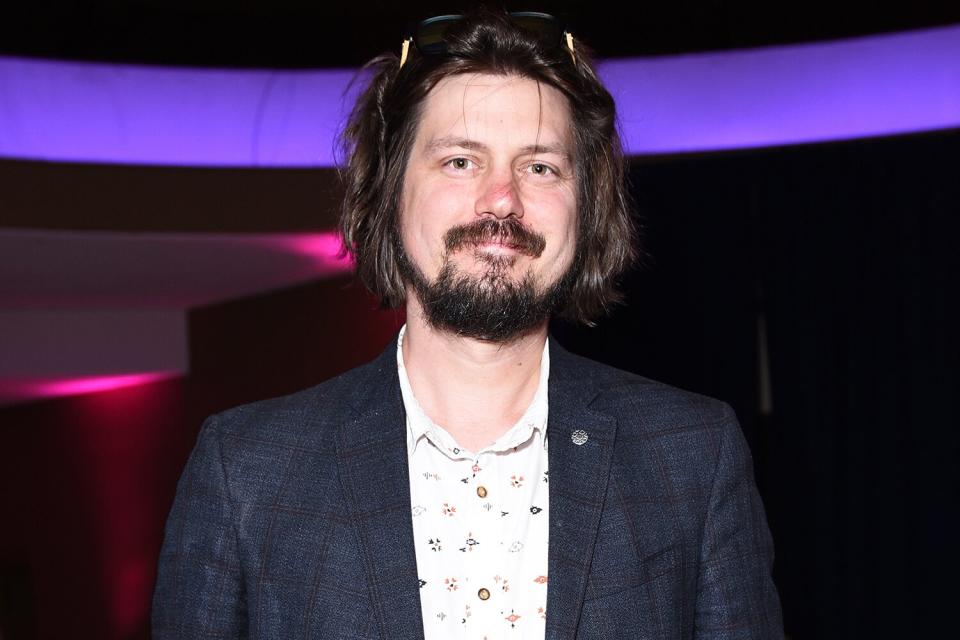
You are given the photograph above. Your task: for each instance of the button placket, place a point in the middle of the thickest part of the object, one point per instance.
(474, 538)
(485, 560)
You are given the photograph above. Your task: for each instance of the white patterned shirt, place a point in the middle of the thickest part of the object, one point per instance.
(480, 523)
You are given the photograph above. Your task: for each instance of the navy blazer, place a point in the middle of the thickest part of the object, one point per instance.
(292, 518)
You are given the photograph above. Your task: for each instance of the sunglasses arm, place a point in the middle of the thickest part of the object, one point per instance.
(404, 51)
(568, 39)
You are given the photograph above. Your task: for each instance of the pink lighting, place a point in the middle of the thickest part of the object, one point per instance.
(97, 269)
(323, 248)
(22, 389)
(133, 579)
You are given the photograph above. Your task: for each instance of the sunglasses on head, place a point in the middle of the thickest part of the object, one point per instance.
(429, 37)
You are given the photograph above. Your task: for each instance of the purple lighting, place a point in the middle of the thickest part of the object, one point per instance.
(839, 90)
(862, 87)
(75, 111)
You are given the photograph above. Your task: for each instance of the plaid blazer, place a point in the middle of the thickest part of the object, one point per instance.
(292, 518)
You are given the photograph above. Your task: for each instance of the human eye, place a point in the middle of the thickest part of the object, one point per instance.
(542, 170)
(460, 164)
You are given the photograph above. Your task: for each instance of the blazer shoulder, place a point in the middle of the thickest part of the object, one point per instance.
(647, 404)
(306, 418)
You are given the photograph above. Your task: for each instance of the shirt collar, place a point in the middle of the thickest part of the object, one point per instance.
(419, 424)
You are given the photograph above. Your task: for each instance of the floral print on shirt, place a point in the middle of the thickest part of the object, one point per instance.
(480, 524)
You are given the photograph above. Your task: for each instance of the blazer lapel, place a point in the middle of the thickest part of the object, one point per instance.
(579, 471)
(372, 459)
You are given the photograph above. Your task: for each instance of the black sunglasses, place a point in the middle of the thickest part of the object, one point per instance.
(429, 37)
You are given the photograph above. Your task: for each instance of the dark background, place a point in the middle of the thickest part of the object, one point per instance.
(311, 34)
(812, 287)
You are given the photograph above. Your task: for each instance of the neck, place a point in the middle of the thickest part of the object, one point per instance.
(476, 390)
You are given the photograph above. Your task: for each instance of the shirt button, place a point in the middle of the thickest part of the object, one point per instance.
(482, 491)
(483, 594)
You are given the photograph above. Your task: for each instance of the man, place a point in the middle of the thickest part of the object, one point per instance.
(476, 480)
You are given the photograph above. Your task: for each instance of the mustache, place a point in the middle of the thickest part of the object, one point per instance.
(510, 232)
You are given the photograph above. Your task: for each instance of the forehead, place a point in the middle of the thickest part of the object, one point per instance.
(495, 109)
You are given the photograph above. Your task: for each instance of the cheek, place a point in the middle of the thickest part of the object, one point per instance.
(566, 254)
(563, 228)
(426, 216)
(439, 208)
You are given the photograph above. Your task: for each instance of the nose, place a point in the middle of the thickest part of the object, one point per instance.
(500, 197)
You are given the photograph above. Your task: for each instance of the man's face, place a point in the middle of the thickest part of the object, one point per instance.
(488, 208)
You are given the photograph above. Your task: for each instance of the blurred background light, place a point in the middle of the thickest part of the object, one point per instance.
(114, 113)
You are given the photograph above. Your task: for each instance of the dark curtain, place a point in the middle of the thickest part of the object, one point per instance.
(814, 289)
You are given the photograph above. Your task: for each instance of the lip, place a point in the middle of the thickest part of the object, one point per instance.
(498, 247)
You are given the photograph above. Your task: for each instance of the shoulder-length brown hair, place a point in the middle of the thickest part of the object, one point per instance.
(381, 130)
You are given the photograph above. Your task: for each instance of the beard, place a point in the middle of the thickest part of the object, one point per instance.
(491, 305)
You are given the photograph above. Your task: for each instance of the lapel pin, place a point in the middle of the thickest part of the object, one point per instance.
(579, 437)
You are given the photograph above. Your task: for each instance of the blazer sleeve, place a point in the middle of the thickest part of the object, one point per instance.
(199, 591)
(736, 597)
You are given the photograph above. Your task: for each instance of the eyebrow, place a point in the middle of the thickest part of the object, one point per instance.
(447, 142)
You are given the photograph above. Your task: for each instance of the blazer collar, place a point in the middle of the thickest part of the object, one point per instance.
(372, 458)
(580, 454)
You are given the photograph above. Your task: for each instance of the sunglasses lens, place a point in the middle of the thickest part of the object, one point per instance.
(544, 26)
(429, 37)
